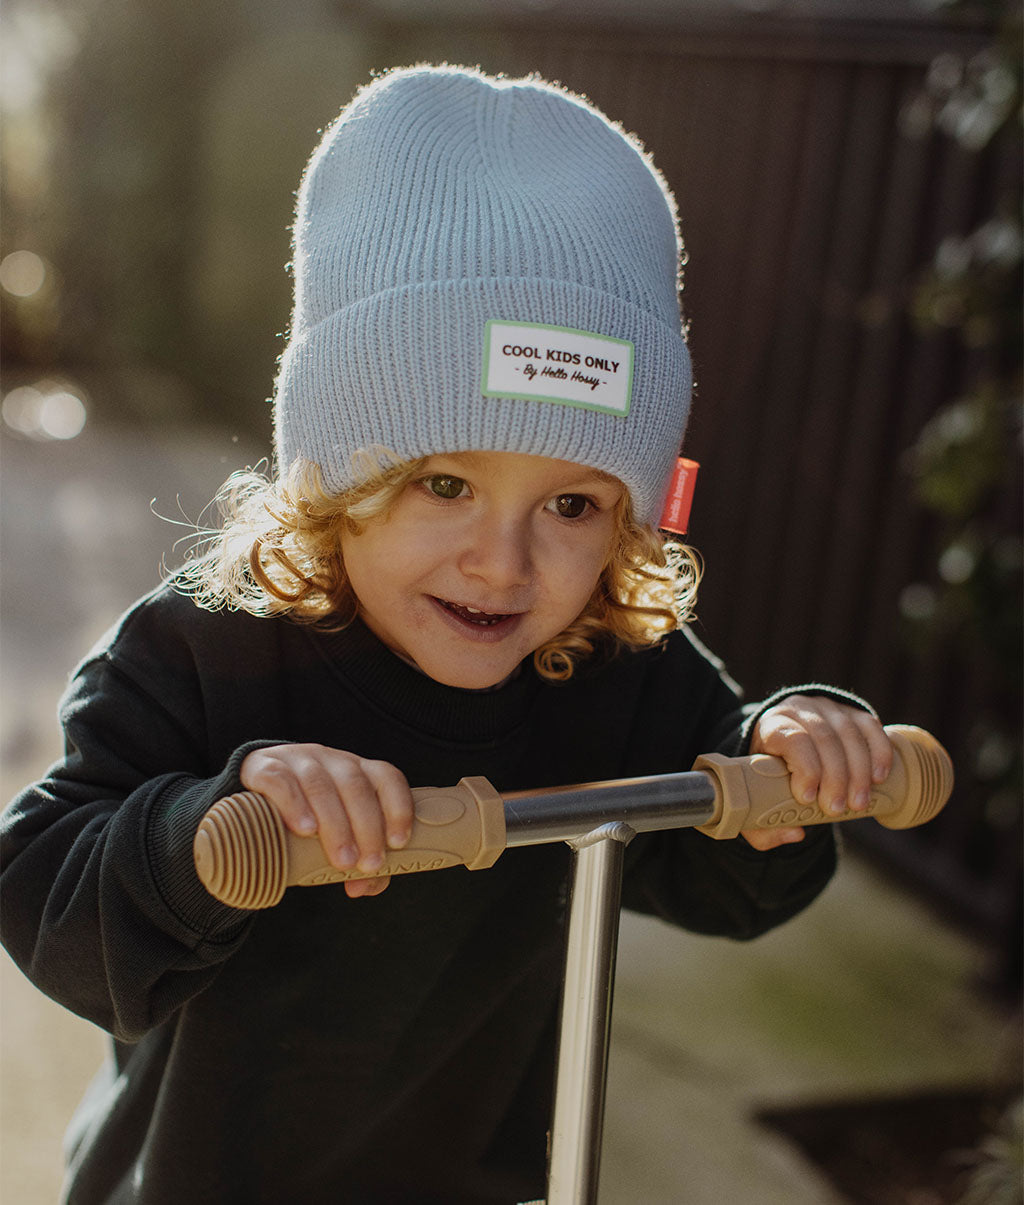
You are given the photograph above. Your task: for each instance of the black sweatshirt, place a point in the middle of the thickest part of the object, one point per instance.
(389, 1049)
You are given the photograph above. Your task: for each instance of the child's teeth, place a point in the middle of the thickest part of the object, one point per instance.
(472, 612)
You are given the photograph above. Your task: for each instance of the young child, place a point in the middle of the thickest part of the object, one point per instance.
(455, 572)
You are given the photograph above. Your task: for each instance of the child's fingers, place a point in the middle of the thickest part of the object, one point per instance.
(335, 794)
(270, 772)
(308, 781)
(395, 800)
(869, 757)
(356, 888)
(855, 754)
(881, 749)
(377, 809)
(835, 753)
(376, 813)
(351, 823)
(786, 731)
(771, 838)
(844, 777)
(845, 762)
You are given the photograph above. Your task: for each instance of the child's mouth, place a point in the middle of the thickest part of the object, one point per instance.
(480, 619)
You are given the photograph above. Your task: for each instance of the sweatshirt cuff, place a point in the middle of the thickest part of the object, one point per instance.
(174, 818)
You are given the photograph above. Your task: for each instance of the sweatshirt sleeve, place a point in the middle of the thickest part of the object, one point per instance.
(102, 906)
(727, 888)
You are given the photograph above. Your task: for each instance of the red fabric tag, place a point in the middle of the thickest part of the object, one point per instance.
(676, 515)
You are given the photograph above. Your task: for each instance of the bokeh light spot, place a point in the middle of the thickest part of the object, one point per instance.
(956, 564)
(44, 411)
(22, 273)
(918, 602)
(62, 415)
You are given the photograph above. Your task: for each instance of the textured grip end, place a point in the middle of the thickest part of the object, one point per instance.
(239, 852)
(929, 771)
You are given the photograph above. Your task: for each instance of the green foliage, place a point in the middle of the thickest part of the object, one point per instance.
(997, 1165)
(966, 462)
(963, 456)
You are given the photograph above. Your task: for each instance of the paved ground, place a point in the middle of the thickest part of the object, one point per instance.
(866, 995)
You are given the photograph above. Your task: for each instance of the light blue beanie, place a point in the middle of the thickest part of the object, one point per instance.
(483, 264)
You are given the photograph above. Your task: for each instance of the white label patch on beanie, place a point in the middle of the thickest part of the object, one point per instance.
(557, 364)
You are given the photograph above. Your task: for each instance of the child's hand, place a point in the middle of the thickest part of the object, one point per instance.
(835, 754)
(360, 808)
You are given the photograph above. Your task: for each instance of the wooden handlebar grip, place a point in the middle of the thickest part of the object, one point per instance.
(754, 792)
(245, 856)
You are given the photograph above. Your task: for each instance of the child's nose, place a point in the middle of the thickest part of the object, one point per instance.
(498, 552)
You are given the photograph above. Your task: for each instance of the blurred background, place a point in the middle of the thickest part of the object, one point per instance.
(848, 175)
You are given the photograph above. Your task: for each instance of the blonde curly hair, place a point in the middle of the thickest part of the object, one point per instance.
(278, 552)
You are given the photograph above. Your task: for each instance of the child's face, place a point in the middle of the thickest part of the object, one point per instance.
(483, 558)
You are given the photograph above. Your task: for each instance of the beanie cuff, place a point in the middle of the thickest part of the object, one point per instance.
(403, 370)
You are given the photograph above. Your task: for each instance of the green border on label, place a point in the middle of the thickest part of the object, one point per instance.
(558, 401)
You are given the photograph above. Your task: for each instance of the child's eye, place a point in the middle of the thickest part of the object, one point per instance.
(570, 506)
(443, 485)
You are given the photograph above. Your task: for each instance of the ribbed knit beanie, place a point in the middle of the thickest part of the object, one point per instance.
(483, 264)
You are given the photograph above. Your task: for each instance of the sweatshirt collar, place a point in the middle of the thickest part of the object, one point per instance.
(408, 696)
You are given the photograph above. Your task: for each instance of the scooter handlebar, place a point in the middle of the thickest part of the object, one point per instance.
(246, 857)
(754, 792)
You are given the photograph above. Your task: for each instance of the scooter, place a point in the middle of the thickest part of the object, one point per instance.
(246, 857)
